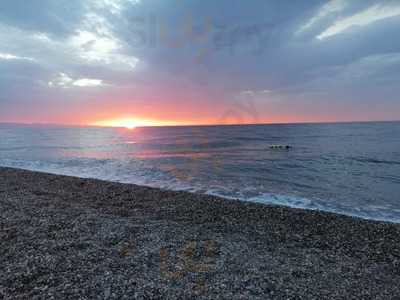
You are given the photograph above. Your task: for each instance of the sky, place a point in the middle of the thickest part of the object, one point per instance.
(176, 62)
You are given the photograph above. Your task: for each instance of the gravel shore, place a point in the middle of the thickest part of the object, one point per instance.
(64, 237)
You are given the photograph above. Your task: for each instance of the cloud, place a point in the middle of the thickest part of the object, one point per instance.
(65, 81)
(101, 49)
(331, 7)
(7, 56)
(86, 82)
(114, 6)
(372, 14)
(91, 41)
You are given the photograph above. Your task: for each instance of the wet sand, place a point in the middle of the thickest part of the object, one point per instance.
(73, 238)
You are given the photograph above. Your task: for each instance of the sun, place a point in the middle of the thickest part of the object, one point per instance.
(128, 123)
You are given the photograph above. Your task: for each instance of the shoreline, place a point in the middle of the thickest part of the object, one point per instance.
(70, 237)
(337, 212)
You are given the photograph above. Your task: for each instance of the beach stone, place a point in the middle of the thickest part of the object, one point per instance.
(71, 238)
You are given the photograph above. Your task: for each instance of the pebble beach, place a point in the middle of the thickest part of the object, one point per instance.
(72, 238)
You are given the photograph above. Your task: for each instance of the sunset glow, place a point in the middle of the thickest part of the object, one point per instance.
(90, 62)
(130, 123)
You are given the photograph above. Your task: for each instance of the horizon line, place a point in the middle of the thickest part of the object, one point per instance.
(200, 125)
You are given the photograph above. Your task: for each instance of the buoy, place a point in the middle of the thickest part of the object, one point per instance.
(287, 147)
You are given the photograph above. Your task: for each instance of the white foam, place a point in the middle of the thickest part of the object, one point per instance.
(141, 173)
(371, 213)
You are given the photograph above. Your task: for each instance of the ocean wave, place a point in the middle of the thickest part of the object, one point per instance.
(134, 171)
(375, 161)
(372, 212)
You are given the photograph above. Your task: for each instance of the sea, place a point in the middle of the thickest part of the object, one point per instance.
(346, 168)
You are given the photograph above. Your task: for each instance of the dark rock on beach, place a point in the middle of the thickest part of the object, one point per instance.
(72, 238)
